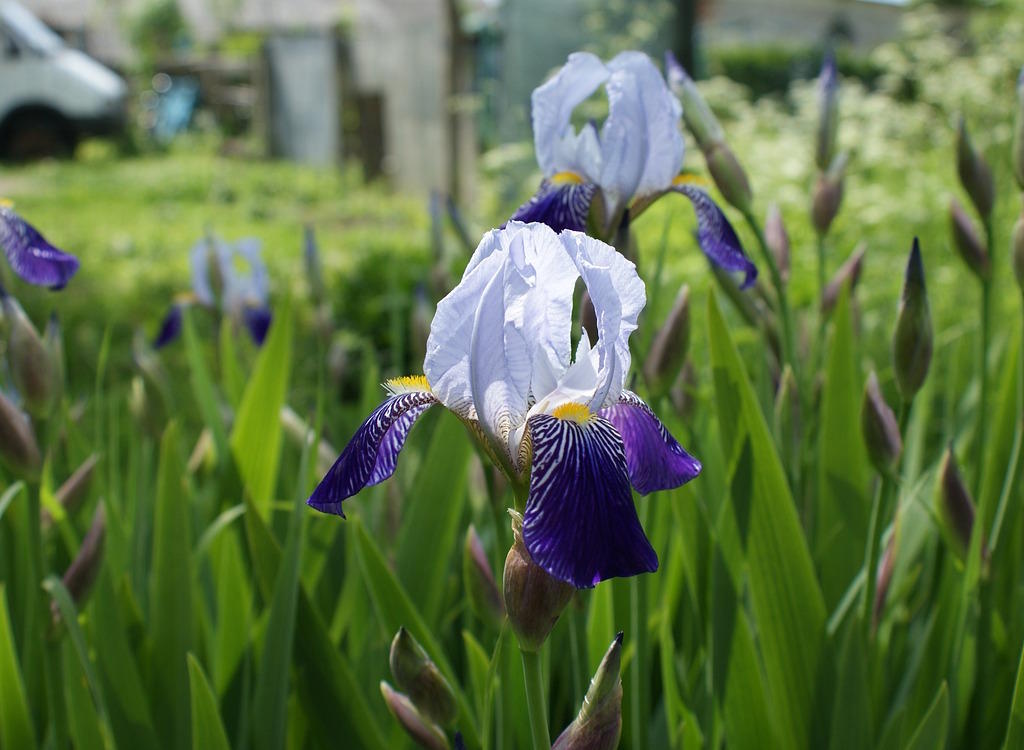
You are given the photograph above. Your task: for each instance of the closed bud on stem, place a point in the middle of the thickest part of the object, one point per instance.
(847, 275)
(828, 195)
(968, 243)
(729, 176)
(883, 577)
(880, 428)
(668, 350)
(828, 112)
(534, 599)
(1017, 251)
(33, 370)
(419, 678)
(912, 339)
(697, 115)
(588, 316)
(684, 392)
(75, 489)
(19, 450)
(1018, 133)
(777, 239)
(81, 574)
(484, 597)
(975, 174)
(422, 730)
(956, 507)
(598, 725)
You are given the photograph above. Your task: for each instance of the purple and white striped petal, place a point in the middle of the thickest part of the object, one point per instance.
(717, 238)
(170, 327)
(372, 453)
(655, 460)
(580, 523)
(33, 258)
(560, 202)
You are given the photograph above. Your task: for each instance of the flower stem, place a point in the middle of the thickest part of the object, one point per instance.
(1013, 467)
(535, 700)
(879, 509)
(986, 295)
(780, 291)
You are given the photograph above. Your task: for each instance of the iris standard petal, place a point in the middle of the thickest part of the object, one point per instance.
(553, 102)
(717, 238)
(257, 321)
(561, 202)
(655, 460)
(580, 523)
(33, 258)
(170, 327)
(372, 453)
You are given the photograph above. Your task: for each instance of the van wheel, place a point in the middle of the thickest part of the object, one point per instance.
(37, 135)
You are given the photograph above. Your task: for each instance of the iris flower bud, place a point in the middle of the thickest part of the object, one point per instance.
(1017, 251)
(75, 489)
(956, 507)
(1018, 133)
(422, 730)
(967, 242)
(668, 350)
(19, 451)
(880, 429)
(828, 112)
(975, 174)
(81, 574)
(697, 115)
(828, 195)
(848, 274)
(777, 239)
(32, 367)
(598, 725)
(729, 176)
(883, 578)
(534, 599)
(420, 679)
(588, 316)
(684, 392)
(484, 597)
(912, 340)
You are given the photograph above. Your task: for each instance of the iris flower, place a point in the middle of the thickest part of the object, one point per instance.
(564, 428)
(30, 255)
(634, 158)
(242, 277)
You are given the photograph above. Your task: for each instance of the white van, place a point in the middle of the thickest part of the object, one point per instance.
(50, 95)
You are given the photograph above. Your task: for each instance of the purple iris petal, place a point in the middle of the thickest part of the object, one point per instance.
(580, 524)
(655, 460)
(257, 320)
(31, 256)
(560, 205)
(371, 455)
(170, 328)
(717, 238)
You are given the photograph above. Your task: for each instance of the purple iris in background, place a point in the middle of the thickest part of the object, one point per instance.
(30, 255)
(238, 272)
(633, 159)
(499, 356)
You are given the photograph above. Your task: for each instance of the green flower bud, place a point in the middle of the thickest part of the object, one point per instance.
(19, 450)
(668, 350)
(697, 115)
(848, 275)
(484, 597)
(956, 507)
(1018, 133)
(967, 242)
(419, 678)
(828, 112)
(880, 429)
(423, 731)
(598, 725)
(828, 195)
(912, 339)
(975, 174)
(32, 367)
(777, 239)
(729, 175)
(534, 599)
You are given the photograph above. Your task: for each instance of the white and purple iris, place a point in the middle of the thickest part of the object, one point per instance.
(499, 356)
(636, 156)
(30, 255)
(244, 287)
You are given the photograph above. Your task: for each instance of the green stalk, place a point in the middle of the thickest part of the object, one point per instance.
(879, 510)
(780, 292)
(637, 691)
(1013, 468)
(986, 304)
(820, 349)
(535, 700)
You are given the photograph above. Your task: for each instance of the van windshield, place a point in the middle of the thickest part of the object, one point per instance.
(27, 29)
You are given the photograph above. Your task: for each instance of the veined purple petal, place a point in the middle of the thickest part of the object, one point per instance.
(717, 238)
(655, 460)
(257, 320)
(561, 204)
(31, 256)
(580, 524)
(372, 453)
(170, 327)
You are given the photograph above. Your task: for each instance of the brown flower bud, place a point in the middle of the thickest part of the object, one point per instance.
(880, 428)
(847, 275)
(668, 350)
(777, 239)
(534, 599)
(883, 577)
(975, 174)
(912, 339)
(828, 195)
(74, 491)
(19, 450)
(81, 574)
(421, 729)
(419, 678)
(484, 597)
(31, 362)
(588, 316)
(598, 725)
(968, 243)
(956, 507)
